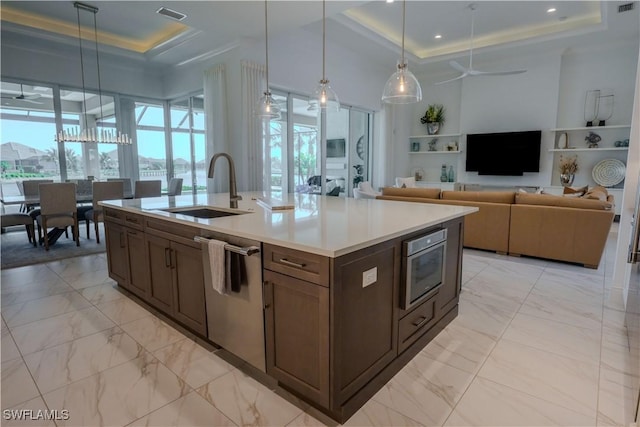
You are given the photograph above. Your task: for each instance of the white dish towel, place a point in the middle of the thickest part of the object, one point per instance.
(217, 265)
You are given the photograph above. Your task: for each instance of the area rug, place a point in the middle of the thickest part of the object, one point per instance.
(16, 251)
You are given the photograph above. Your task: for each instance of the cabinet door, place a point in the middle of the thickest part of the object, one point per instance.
(138, 265)
(188, 289)
(450, 290)
(160, 278)
(297, 335)
(117, 256)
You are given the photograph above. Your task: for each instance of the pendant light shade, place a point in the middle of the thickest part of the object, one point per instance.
(402, 87)
(324, 96)
(267, 108)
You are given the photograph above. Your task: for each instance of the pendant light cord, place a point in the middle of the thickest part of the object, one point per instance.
(84, 92)
(95, 31)
(266, 44)
(323, 40)
(472, 6)
(404, 8)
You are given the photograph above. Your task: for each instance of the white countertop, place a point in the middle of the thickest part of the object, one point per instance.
(329, 226)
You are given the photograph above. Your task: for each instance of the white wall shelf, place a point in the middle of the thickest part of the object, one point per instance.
(591, 149)
(444, 135)
(435, 152)
(592, 128)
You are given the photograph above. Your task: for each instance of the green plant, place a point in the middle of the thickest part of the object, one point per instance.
(435, 114)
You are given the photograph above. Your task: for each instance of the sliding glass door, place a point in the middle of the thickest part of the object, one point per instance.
(188, 146)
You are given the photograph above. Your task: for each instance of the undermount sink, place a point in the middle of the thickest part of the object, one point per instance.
(203, 212)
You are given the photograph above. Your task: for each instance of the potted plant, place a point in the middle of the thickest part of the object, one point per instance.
(434, 118)
(568, 167)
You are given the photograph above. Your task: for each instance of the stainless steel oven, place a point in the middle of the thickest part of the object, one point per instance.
(424, 266)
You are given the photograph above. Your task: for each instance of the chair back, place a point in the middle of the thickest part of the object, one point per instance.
(175, 187)
(148, 189)
(57, 198)
(30, 188)
(107, 191)
(84, 187)
(127, 185)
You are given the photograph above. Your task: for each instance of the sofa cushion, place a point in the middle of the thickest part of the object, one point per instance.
(559, 201)
(575, 192)
(598, 193)
(481, 196)
(429, 193)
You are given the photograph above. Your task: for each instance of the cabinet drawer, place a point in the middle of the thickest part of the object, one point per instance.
(114, 216)
(310, 267)
(414, 324)
(133, 221)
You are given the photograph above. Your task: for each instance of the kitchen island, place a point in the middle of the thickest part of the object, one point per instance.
(323, 308)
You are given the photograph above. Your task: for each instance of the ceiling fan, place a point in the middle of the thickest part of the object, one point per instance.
(23, 97)
(470, 72)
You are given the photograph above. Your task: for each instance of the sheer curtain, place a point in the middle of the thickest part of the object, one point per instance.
(253, 81)
(215, 108)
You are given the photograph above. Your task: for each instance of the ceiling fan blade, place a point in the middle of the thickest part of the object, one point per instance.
(31, 101)
(31, 97)
(495, 73)
(458, 67)
(461, 76)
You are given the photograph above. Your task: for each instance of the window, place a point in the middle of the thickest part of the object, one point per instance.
(188, 143)
(152, 147)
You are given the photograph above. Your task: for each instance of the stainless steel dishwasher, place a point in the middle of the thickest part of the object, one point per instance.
(236, 320)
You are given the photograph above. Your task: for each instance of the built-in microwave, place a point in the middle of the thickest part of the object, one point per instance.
(423, 266)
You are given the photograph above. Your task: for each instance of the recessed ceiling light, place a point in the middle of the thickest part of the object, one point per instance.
(437, 36)
(389, 1)
(551, 10)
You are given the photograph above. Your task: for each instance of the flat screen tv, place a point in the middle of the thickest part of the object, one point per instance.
(336, 147)
(506, 153)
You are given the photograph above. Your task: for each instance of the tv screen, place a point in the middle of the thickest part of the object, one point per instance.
(336, 147)
(507, 153)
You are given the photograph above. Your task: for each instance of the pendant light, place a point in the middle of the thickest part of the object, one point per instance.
(402, 87)
(267, 108)
(91, 134)
(324, 96)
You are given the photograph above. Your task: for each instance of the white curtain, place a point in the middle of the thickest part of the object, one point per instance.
(253, 81)
(215, 108)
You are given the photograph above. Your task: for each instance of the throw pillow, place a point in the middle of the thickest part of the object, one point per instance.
(575, 192)
(597, 193)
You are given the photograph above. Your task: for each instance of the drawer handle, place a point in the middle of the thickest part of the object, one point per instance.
(292, 264)
(134, 220)
(421, 321)
(167, 257)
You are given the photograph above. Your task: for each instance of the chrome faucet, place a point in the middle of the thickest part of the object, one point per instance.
(233, 191)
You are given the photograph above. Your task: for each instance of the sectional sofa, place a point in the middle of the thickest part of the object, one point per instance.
(570, 229)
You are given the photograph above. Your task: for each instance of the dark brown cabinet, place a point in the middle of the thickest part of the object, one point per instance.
(177, 281)
(117, 254)
(297, 334)
(450, 291)
(127, 259)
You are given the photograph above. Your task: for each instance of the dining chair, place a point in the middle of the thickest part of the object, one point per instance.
(30, 189)
(102, 191)
(57, 209)
(147, 189)
(8, 220)
(175, 187)
(127, 185)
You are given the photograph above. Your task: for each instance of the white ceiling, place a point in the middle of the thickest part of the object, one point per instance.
(372, 28)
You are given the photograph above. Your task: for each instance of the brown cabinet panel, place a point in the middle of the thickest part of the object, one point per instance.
(117, 255)
(310, 267)
(450, 290)
(188, 289)
(420, 320)
(137, 263)
(297, 335)
(365, 327)
(160, 276)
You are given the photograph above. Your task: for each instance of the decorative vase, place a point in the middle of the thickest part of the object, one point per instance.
(443, 174)
(433, 128)
(566, 179)
(451, 175)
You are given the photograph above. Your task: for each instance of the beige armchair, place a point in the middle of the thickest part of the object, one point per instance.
(102, 191)
(57, 209)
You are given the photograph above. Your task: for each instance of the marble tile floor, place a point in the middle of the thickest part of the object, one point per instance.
(536, 343)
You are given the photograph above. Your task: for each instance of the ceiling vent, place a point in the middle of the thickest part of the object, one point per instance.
(169, 13)
(625, 7)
